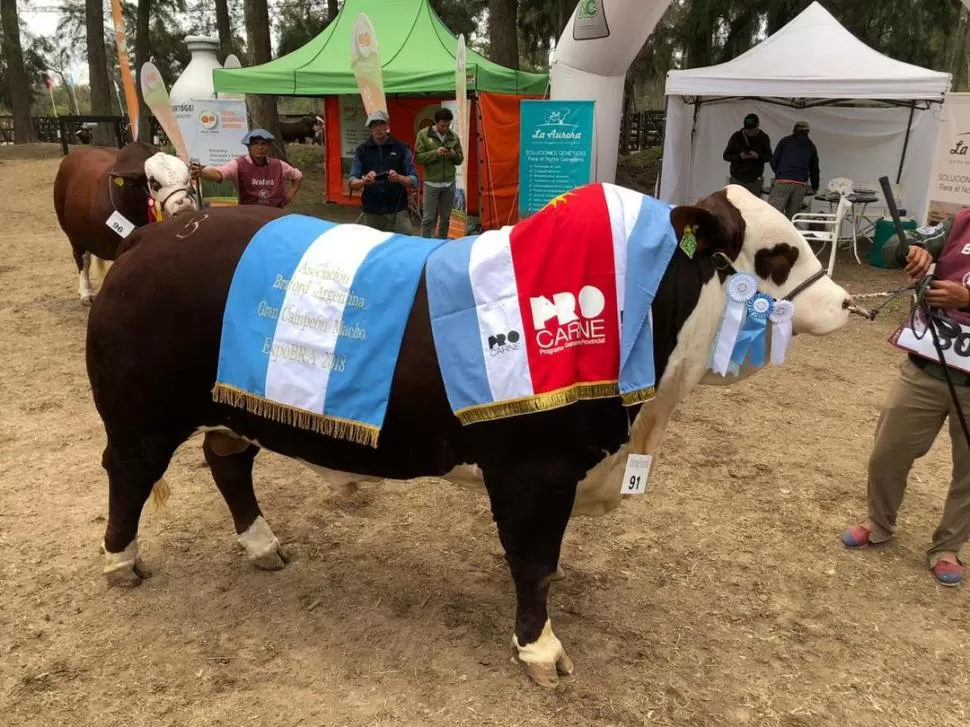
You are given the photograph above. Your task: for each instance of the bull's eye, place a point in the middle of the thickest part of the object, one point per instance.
(154, 185)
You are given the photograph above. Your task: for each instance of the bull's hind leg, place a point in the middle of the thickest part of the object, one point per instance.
(134, 467)
(531, 515)
(231, 462)
(84, 288)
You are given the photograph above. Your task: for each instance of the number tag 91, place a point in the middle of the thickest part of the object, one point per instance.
(636, 476)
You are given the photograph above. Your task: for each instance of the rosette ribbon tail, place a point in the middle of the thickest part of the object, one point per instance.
(741, 288)
(781, 330)
(752, 339)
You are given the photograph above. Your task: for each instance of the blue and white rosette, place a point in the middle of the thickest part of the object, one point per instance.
(781, 330)
(752, 338)
(741, 288)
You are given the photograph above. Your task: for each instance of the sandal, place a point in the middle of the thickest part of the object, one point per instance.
(948, 573)
(856, 537)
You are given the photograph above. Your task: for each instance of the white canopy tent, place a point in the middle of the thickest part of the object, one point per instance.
(811, 69)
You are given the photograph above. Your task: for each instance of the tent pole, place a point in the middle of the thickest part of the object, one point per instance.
(663, 145)
(909, 127)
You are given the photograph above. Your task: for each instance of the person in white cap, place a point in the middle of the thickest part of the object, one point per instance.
(383, 168)
(258, 178)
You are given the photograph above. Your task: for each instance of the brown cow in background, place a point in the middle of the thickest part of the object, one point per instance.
(96, 187)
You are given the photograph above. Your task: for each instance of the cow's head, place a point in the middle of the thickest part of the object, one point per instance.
(756, 238)
(164, 177)
(168, 183)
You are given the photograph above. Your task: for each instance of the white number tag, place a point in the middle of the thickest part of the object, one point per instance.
(120, 224)
(636, 476)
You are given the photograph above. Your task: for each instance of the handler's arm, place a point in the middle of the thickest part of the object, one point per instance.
(895, 255)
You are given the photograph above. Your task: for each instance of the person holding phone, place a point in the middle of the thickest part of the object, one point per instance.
(383, 168)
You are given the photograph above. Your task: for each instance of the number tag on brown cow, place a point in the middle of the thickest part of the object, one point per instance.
(636, 476)
(120, 224)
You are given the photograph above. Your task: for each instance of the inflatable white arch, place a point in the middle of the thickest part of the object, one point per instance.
(591, 59)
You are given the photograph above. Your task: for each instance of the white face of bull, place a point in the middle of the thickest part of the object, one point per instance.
(168, 183)
(780, 258)
(772, 249)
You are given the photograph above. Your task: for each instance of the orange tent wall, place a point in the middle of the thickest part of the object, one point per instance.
(499, 123)
(403, 111)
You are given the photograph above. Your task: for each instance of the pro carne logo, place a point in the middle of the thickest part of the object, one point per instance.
(567, 320)
(499, 343)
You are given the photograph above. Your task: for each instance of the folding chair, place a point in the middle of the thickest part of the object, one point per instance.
(830, 235)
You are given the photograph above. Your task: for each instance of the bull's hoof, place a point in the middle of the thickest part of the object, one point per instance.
(559, 574)
(87, 300)
(127, 575)
(547, 675)
(272, 560)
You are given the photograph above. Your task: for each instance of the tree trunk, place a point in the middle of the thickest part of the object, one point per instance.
(142, 51)
(224, 26)
(20, 85)
(100, 83)
(262, 109)
(503, 32)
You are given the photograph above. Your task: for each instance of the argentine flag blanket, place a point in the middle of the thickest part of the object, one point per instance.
(553, 309)
(314, 321)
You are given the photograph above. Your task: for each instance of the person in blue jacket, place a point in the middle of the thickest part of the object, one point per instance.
(795, 164)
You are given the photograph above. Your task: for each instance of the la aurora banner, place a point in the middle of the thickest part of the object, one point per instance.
(950, 181)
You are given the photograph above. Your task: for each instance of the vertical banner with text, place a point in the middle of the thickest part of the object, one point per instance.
(458, 225)
(365, 62)
(156, 98)
(556, 150)
(950, 180)
(127, 80)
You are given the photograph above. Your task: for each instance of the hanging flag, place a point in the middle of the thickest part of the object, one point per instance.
(458, 226)
(131, 98)
(365, 62)
(156, 98)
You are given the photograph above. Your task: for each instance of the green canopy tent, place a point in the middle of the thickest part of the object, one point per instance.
(418, 63)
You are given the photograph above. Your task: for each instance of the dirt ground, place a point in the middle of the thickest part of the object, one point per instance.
(721, 597)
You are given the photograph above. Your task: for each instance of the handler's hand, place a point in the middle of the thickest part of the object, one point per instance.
(195, 171)
(393, 176)
(370, 177)
(947, 294)
(918, 261)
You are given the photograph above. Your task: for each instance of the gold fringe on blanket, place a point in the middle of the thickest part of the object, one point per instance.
(632, 398)
(550, 400)
(319, 423)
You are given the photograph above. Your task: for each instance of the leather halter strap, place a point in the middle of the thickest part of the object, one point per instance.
(723, 262)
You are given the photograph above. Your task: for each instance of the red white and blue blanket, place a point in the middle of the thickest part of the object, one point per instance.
(553, 309)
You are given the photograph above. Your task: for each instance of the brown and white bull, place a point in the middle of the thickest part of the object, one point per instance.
(93, 183)
(153, 344)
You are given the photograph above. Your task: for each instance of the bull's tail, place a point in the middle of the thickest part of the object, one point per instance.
(160, 493)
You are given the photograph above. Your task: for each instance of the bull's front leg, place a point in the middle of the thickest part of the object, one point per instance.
(531, 516)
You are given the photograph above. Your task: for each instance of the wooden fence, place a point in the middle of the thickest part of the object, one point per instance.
(48, 129)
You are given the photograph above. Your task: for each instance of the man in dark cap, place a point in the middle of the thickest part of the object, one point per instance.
(748, 150)
(258, 178)
(795, 164)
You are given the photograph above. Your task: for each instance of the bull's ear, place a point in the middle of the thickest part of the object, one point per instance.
(702, 222)
(130, 163)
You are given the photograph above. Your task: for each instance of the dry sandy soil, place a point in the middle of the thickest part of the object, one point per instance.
(720, 597)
